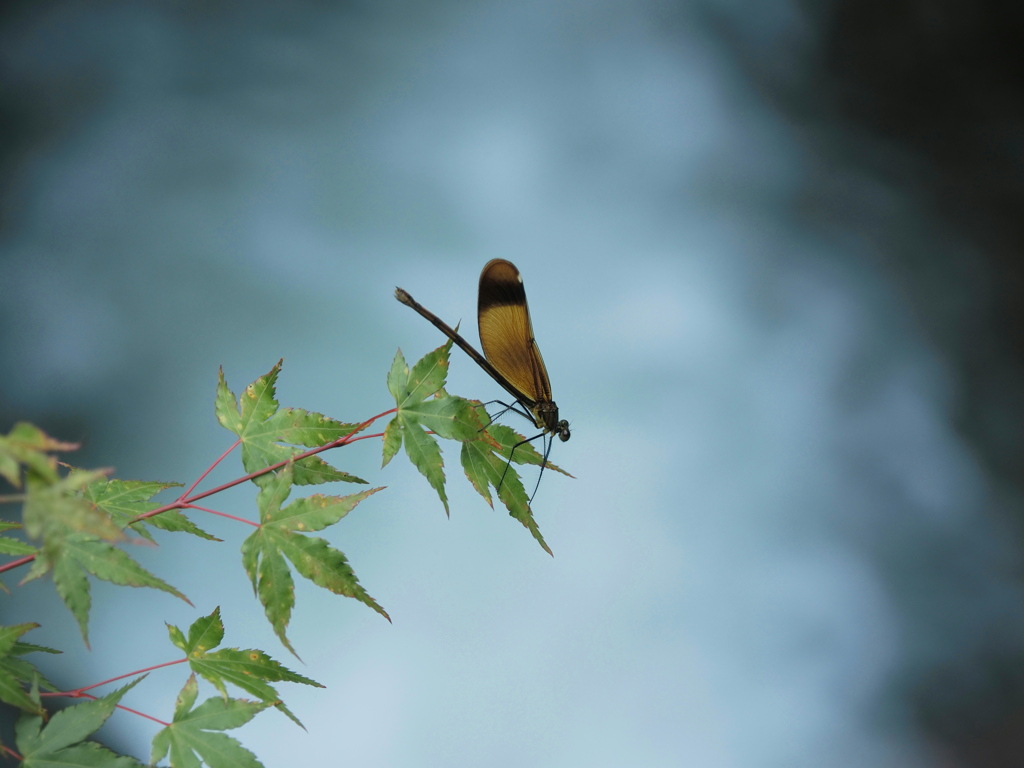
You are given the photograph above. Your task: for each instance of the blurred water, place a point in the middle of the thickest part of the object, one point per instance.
(766, 467)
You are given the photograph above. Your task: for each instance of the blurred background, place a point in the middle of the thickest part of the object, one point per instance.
(772, 251)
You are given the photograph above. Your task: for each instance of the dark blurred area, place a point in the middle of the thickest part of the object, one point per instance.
(913, 116)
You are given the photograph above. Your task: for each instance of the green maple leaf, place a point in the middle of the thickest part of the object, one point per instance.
(15, 672)
(28, 445)
(423, 407)
(486, 468)
(71, 516)
(280, 538)
(486, 447)
(79, 554)
(124, 500)
(252, 670)
(263, 426)
(194, 737)
(61, 742)
(11, 546)
(55, 508)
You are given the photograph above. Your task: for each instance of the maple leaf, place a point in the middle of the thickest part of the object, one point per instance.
(61, 741)
(28, 445)
(252, 670)
(125, 500)
(71, 516)
(486, 448)
(280, 538)
(15, 673)
(11, 546)
(194, 737)
(55, 508)
(78, 554)
(444, 415)
(262, 426)
(485, 468)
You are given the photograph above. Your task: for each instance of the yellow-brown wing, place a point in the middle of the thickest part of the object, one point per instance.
(506, 333)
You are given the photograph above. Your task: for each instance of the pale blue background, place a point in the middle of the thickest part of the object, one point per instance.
(761, 439)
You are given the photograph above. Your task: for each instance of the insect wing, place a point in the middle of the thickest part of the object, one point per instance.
(506, 333)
